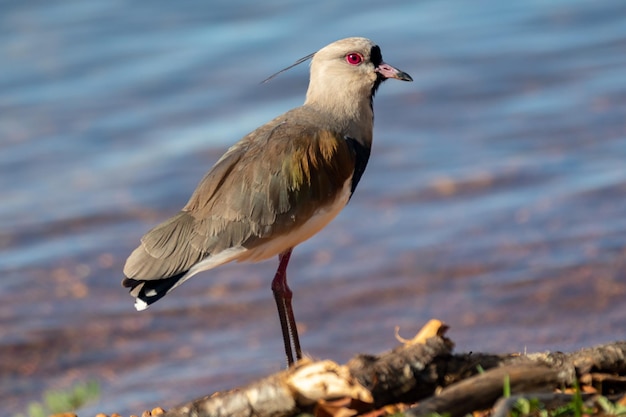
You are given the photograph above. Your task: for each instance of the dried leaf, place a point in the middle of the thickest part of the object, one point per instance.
(433, 328)
(335, 408)
(588, 389)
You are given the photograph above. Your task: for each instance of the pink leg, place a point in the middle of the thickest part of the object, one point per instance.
(283, 296)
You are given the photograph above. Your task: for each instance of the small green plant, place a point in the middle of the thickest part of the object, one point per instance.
(576, 407)
(577, 401)
(528, 406)
(612, 409)
(62, 401)
(506, 387)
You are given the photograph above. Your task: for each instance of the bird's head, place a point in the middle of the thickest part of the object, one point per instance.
(347, 72)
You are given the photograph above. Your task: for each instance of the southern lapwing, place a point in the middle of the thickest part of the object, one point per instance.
(276, 187)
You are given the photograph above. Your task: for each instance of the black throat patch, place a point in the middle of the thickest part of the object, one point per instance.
(361, 155)
(376, 59)
(375, 56)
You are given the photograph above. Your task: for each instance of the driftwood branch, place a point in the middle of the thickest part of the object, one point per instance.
(422, 370)
(482, 391)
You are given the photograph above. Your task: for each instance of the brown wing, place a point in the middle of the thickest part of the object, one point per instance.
(270, 182)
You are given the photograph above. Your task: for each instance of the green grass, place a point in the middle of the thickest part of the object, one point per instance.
(526, 407)
(63, 401)
(610, 408)
(506, 387)
(575, 408)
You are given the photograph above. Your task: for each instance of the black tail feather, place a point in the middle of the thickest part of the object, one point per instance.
(151, 291)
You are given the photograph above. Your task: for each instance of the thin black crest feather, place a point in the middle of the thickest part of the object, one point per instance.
(298, 62)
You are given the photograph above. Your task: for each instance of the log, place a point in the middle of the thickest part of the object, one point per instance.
(281, 394)
(482, 391)
(422, 370)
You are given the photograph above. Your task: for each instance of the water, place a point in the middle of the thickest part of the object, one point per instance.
(494, 199)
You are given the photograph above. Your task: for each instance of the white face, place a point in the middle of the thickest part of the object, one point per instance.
(345, 64)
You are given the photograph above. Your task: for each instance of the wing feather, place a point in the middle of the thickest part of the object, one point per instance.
(270, 182)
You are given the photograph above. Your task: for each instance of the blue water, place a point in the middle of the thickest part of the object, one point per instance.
(494, 199)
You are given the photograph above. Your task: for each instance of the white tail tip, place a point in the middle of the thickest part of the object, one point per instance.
(140, 304)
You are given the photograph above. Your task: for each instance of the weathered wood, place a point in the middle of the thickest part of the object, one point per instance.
(396, 376)
(300, 387)
(527, 373)
(281, 394)
(423, 369)
(481, 391)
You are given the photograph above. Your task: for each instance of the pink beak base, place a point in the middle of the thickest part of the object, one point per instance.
(388, 71)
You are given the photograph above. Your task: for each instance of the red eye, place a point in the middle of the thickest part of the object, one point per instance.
(354, 58)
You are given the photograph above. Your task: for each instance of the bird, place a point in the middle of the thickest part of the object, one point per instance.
(276, 187)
